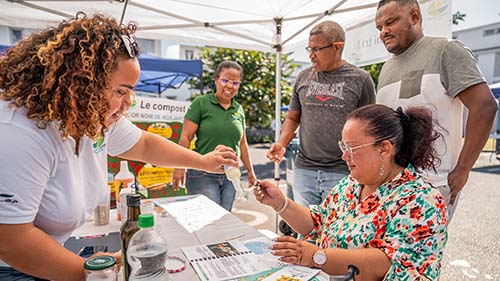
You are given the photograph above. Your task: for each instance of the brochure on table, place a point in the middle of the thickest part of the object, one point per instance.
(224, 261)
(249, 260)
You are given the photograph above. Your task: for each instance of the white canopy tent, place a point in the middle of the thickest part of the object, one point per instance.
(263, 25)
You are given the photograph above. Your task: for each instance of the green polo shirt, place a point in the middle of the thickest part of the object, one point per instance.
(216, 125)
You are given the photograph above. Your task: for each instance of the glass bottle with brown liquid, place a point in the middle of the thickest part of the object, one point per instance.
(129, 227)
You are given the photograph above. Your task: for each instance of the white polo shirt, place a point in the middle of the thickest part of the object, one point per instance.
(43, 181)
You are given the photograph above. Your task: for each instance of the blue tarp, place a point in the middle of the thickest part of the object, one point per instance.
(3, 48)
(159, 74)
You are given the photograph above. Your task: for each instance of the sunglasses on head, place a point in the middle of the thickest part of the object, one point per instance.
(130, 43)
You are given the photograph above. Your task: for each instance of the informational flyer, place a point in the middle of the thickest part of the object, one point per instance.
(224, 261)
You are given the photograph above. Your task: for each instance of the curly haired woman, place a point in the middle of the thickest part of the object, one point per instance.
(63, 94)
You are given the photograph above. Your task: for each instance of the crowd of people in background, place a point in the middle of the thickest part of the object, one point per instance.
(377, 176)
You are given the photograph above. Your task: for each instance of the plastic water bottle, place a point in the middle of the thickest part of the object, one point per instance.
(233, 174)
(147, 252)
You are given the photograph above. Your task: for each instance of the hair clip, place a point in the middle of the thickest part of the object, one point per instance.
(130, 43)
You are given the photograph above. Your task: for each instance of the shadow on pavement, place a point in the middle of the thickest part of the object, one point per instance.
(495, 169)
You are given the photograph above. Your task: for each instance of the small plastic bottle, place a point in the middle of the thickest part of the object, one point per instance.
(123, 202)
(100, 268)
(147, 252)
(148, 207)
(124, 179)
(233, 174)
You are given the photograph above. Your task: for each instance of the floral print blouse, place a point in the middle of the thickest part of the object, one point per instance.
(405, 218)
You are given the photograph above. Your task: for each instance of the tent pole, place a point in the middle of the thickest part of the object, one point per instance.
(123, 12)
(277, 109)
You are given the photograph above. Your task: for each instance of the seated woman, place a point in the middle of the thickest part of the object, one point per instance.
(384, 217)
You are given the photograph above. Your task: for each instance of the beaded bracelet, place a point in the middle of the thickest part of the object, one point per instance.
(179, 269)
(284, 206)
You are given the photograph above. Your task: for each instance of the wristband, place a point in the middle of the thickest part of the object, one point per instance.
(176, 268)
(284, 206)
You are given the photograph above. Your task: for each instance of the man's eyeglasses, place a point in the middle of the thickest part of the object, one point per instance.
(316, 50)
(350, 149)
(235, 84)
(130, 43)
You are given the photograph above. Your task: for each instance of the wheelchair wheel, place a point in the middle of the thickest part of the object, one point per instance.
(286, 229)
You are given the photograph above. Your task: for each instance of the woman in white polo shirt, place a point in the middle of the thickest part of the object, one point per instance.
(63, 93)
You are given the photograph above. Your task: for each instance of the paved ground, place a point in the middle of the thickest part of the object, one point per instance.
(473, 249)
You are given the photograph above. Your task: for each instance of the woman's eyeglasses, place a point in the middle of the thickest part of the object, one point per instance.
(350, 149)
(235, 84)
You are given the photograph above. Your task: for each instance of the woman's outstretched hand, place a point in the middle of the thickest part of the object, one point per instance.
(269, 194)
(222, 155)
(294, 251)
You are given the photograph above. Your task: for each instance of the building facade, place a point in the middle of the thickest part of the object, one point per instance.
(484, 41)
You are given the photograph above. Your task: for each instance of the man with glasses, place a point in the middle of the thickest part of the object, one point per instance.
(442, 75)
(323, 95)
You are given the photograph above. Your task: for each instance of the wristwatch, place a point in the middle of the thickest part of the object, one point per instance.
(319, 258)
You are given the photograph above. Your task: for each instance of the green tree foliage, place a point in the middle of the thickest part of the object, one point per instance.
(374, 70)
(257, 91)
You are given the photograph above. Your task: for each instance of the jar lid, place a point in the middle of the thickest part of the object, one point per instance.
(99, 262)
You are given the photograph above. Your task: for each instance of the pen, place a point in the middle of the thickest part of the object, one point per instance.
(236, 237)
(160, 209)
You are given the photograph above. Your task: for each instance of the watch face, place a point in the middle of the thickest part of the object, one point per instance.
(319, 257)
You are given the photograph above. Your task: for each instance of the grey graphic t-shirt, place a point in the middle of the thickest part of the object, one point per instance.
(325, 99)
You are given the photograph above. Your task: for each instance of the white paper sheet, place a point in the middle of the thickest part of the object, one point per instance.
(195, 213)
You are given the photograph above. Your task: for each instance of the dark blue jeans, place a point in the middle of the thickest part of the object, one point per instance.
(215, 186)
(10, 274)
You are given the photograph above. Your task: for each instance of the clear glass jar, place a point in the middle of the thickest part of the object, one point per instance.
(101, 268)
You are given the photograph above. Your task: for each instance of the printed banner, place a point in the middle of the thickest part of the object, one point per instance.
(146, 109)
(162, 117)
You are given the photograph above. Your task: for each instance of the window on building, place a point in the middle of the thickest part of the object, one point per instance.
(147, 46)
(189, 54)
(488, 32)
(496, 71)
(17, 35)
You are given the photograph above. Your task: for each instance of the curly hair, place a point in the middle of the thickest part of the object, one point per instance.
(61, 74)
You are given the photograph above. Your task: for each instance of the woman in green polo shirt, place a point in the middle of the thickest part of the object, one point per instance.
(216, 118)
